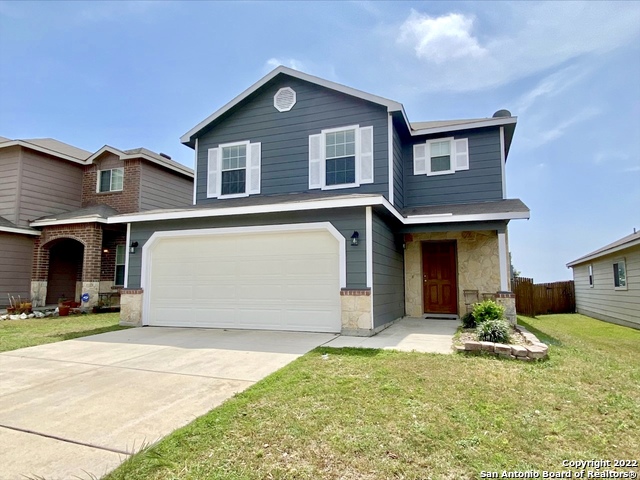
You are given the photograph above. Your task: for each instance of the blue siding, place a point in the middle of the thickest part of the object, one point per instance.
(398, 170)
(344, 220)
(388, 274)
(481, 183)
(285, 135)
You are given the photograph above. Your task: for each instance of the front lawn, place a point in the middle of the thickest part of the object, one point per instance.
(16, 334)
(369, 414)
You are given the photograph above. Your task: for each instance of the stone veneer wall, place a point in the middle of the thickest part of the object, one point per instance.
(131, 307)
(478, 265)
(356, 312)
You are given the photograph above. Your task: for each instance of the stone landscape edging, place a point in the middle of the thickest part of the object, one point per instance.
(535, 350)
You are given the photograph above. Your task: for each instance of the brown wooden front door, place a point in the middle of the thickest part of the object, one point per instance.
(439, 282)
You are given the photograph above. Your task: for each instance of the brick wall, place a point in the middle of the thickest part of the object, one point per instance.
(109, 242)
(89, 234)
(126, 201)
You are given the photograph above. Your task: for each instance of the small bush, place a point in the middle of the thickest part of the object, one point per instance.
(493, 331)
(468, 320)
(487, 310)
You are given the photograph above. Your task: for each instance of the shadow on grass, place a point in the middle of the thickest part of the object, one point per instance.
(543, 337)
(350, 351)
(86, 333)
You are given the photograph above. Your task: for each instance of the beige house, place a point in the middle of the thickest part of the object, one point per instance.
(607, 282)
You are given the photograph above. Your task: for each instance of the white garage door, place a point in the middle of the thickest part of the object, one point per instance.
(274, 280)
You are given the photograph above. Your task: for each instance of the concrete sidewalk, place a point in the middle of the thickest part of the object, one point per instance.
(78, 408)
(407, 334)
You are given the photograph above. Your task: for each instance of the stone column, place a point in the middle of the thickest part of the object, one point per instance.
(92, 264)
(508, 301)
(356, 312)
(131, 307)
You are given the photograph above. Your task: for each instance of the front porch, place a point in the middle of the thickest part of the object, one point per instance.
(447, 271)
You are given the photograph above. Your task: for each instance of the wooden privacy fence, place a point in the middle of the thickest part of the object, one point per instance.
(539, 298)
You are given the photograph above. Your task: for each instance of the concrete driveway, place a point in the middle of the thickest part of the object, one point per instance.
(78, 408)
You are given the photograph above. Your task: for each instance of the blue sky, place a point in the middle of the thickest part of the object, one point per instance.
(132, 74)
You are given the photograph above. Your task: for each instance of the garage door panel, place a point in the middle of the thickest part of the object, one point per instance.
(277, 280)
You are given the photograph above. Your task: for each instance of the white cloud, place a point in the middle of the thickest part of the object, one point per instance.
(540, 137)
(287, 62)
(513, 41)
(550, 86)
(439, 39)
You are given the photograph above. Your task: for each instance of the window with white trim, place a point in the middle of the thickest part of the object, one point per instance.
(620, 275)
(590, 268)
(110, 180)
(341, 158)
(233, 170)
(441, 156)
(120, 259)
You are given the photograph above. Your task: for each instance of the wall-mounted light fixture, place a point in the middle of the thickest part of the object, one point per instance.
(354, 239)
(132, 247)
(105, 250)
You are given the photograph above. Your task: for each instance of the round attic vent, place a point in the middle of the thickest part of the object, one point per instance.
(502, 113)
(284, 99)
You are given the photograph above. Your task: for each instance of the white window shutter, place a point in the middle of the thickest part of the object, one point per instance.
(315, 161)
(254, 168)
(420, 159)
(366, 155)
(213, 173)
(461, 152)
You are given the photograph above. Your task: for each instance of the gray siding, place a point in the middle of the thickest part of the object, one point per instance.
(9, 173)
(398, 171)
(481, 183)
(388, 275)
(48, 186)
(160, 188)
(16, 253)
(602, 301)
(344, 220)
(285, 135)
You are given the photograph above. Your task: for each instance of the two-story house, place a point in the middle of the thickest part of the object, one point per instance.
(318, 207)
(54, 203)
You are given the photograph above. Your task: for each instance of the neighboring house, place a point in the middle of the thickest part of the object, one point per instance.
(319, 207)
(54, 204)
(607, 282)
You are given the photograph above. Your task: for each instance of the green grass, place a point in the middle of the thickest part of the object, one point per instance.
(368, 414)
(16, 334)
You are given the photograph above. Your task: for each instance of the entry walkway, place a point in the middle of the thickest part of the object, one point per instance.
(407, 334)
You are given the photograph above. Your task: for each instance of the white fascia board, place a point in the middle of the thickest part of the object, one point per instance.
(22, 231)
(249, 210)
(315, 205)
(38, 148)
(491, 122)
(390, 104)
(602, 254)
(69, 221)
(475, 217)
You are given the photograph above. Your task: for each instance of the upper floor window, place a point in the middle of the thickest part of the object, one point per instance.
(441, 156)
(620, 275)
(341, 158)
(110, 180)
(233, 170)
(590, 275)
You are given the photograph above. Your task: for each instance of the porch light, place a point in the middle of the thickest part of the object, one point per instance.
(105, 250)
(132, 247)
(354, 239)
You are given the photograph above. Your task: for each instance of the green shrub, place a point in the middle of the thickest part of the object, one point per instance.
(487, 310)
(493, 331)
(468, 320)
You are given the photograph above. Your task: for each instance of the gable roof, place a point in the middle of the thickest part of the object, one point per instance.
(49, 146)
(145, 154)
(623, 243)
(391, 105)
(414, 129)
